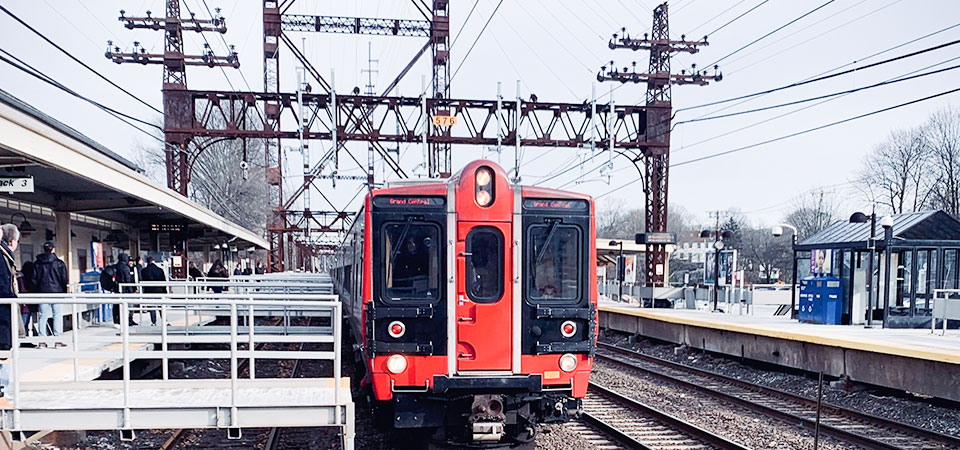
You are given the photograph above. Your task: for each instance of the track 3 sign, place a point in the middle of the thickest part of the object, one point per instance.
(16, 184)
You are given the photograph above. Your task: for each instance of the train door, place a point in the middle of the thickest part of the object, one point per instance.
(483, 297)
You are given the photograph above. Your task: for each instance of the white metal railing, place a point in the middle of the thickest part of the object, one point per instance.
(156, 346)
(242, 287)
(946, 304)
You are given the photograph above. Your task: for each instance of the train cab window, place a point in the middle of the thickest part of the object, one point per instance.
(553, 258)
(484, 261)
(411, 255)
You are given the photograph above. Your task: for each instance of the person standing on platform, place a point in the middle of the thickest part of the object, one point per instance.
(260, 270)
(8, 289)
(218, 270)
(124, 275)
(193, 272)
(50, 277)
(153, 272)
(28, 311)
(238, 270)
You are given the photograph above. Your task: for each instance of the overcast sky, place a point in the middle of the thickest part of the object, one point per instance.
(555, 48)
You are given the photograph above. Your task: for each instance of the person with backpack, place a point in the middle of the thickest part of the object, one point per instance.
(153, 272)
(50, 277)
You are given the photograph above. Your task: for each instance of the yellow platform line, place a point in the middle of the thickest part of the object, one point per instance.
(896, 349)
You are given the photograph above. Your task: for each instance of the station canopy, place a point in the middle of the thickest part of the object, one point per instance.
(909, 229)
(72, 173)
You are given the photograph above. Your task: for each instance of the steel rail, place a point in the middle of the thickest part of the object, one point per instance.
(682, 428)
(788, 407)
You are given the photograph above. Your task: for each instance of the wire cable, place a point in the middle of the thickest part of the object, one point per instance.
(819, 97)
(798, 133)
(735, 18)
(771, 32)
(54, 44)
(824, 77)
(467, 55)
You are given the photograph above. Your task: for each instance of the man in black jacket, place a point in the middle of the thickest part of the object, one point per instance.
(8, 289)
(50, 276)
(124, 275)
(153, 272)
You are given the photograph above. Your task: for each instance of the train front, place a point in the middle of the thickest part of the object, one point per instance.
(480, 317)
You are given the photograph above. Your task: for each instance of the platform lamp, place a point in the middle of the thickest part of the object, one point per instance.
(620, 269)
(25, 227)
(859, 217)
(886, 222)
(777, 232)
(718, 236)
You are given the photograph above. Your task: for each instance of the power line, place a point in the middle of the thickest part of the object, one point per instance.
(809, 130)
(771, 32)
(715, 17)
(735, 18)
(54, 44)
(455, 72)
(32, 71)
(810, 99)
(825, 77)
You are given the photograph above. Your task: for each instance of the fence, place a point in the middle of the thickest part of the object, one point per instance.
(166, 342)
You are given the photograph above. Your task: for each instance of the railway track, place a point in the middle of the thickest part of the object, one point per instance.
(626, 423)
(840, 423)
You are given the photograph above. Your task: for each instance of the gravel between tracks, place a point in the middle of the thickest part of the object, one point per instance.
(738, 424)
(917, 411)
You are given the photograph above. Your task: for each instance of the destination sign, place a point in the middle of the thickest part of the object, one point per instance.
(408, 202)
(16, 184)
(656, 238)
(547, 203)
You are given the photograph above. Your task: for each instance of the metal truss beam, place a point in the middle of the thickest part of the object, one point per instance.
(355, 25)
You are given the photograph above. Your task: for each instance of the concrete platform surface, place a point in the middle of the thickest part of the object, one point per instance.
(912, 360)
(40, 365)
(912, 343)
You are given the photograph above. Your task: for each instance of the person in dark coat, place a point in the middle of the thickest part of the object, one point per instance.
(260, 269)
(193, 272)
(50, 277)
(28, 311)
(124, 274)
(238, 270)
(8, 289)
(153, 272)
(218, 270)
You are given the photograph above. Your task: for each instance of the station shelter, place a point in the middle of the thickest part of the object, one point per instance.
(923, 253)
(59, 185)
(622, 261)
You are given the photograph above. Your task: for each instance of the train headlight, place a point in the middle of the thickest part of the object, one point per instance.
(398, 363)
(484, 189)
(568, 328)
(396, 329)
(568, 362)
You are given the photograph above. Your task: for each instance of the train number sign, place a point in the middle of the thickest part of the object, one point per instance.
(444, 121)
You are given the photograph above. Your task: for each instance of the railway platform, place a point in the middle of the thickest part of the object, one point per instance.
(61, 388)
(913, 360)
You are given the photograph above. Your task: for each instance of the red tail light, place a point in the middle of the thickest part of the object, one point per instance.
(396, 329)
(568, 329)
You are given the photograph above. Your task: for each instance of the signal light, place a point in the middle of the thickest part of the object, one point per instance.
(396, 329)
(398, 363)
(568, 362)
(568, 329)
(484, 186)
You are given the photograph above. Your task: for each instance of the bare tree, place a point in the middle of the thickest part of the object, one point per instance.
(616, 221)
(812, 212)
(896, 174)
(219, 182)
(941, 138)
(762, 254)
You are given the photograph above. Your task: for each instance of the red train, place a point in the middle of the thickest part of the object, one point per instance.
(473, 304)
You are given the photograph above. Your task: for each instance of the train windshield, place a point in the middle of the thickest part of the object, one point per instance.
(412, 258)
(554, 260)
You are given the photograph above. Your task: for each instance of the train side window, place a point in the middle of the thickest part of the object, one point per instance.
(553, 259)
(411, 256)
(484, 281)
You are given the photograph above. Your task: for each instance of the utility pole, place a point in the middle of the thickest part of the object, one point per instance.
(656, 152)
(177, 106)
